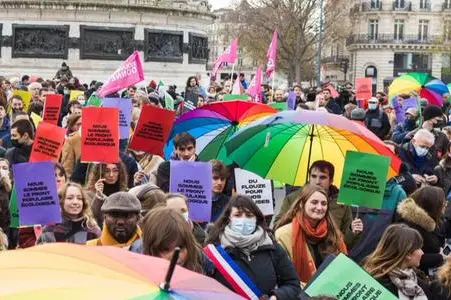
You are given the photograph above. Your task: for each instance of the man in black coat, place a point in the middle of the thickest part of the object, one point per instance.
(22, 134)
(330, 103)
(376, 119)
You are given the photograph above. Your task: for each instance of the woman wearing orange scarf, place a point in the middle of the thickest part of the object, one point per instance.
(308, 233)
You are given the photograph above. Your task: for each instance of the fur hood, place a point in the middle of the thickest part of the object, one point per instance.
(445, 163)
(412, 213)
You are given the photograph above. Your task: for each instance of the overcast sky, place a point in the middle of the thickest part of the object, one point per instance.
(221, 3)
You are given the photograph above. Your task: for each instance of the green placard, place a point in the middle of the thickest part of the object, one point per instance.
(94, 100)
(279, 105)
(363, 179)
(344, 279)
(232, 97)
(14, 209)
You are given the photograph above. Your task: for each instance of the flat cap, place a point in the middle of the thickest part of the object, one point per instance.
(121, 201)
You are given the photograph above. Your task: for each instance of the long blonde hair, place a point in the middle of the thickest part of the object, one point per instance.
(397, 241)
(334, 234)
(86, 211)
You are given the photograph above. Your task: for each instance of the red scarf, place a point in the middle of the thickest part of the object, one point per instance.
(302, 258)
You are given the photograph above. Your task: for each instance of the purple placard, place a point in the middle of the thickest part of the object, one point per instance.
(37, 194)
(125, 114)
(193, 179)
(401, 107)
(291, 100)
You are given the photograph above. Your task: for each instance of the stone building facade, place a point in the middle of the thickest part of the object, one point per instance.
(93, 38)
(390, 38)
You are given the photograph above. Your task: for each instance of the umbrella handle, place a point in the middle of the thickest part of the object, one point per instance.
(166, 284)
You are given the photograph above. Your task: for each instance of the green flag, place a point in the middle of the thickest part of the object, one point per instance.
(168, 101)
(232, 97)
(94, 100)
(14, 209)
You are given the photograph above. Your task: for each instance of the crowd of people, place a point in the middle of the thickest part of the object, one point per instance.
(128, 204)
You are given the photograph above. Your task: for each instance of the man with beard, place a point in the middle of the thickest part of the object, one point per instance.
(121, 215)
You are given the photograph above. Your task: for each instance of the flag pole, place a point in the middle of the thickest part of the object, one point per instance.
(272, 85)
(231, 74)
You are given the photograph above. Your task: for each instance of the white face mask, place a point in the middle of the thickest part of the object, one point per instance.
(4, 173)
(245, 226)
(372, 106)
(421, 151)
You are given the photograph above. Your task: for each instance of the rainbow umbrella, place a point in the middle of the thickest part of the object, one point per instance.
(425, 85)
(212, 124)
(69, 271)
(283, 146)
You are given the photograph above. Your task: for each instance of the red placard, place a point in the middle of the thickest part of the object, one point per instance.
(100, 134)
(48, 143)
(364, 88)
(52, 108)
(152, 130)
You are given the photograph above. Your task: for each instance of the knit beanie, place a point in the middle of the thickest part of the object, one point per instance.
(432, 111)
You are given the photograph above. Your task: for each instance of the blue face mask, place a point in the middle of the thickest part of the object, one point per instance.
(245, 226)
(372, 106)
(421, 151)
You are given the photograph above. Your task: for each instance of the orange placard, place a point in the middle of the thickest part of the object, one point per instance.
(48, 143)
(52, 108)
(364, 88)
(152, 130)
(100, 134)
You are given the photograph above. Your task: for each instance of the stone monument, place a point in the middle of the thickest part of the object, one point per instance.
(94, 37)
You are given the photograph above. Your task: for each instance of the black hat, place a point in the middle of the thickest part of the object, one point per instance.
(63, 64)
(432, 111)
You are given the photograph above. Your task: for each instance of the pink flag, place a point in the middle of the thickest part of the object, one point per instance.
(236, 90)
(229, 55)
(332, 89)
(271, 55)
(255, 87)
(129, 73)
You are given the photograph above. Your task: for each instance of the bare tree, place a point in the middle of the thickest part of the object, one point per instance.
(298, 24)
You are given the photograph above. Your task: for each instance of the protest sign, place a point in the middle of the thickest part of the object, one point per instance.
(26, 98)
(35, 118)
(94, 100)
(128, 74)
(13, 209)
(125, 107)
(280, 106)
(363, 179)
(100, 134)
(235, 97)
(401, 106)
(48, 143)
(52, 108)
(152, 130)
(37, 194)
(344, 279)
(364, 88)
(256, 188)
(194, 180)
(74, 95)
(291, 101)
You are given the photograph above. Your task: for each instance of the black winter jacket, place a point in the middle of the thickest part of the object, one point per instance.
(434, 236)
(270, 268)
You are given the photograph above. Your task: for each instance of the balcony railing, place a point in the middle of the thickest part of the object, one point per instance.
(371, 5)
(392, 39)
(402, 5)
(333, 59)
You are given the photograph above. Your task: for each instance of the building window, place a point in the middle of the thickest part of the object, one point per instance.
(408, 62)
(375, 4)
(423, 29)
(447, 4)
(373, 29)
(424, 4)
(399, 3)
(399, 30)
